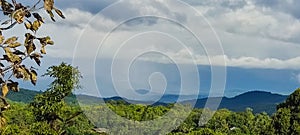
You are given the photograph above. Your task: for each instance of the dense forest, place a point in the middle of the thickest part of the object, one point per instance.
(66, 117)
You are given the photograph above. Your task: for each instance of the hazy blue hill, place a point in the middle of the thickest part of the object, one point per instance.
(172, 98)
(259, 101)
(258, 97)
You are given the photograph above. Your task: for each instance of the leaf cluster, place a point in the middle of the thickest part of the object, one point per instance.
(14, 51)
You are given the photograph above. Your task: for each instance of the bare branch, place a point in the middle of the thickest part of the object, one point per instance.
(9, 27)
(14, 2)
(34, 6)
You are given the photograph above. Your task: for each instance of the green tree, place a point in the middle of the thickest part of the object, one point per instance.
(219, 121)
(292, 102)
(282, 121)
(262, 124)
(287, 118)
(50, 106)
(241, 122)
(204, 131)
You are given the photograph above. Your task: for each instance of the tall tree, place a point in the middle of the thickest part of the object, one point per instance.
(49, 106)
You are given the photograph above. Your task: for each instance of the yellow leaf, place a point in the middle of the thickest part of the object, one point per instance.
(43, 50)
(33, 77)
(58, 12)
(36, 25)
(46, 40)
(30, 48)
(29, 45)
(36, 57)
(4, 90)
(15, 59)
(8, 52)
(11, 57)
(28, 25)
(26, 76)
(2, 121)
(48, 5)
(19, 15)
(1, 39)
(14, 86)
(26, 73)
(51, 15)
(38, 17)
(50, 43)
(11, 40)
(18, 72)
(14, 45)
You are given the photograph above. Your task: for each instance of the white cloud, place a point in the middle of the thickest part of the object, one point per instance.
(254, 21)
(251, 62)
(252, 36)
(244, 62)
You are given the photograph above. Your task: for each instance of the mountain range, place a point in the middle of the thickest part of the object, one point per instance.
(259, 101)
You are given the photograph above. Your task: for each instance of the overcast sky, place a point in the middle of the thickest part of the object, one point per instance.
(262, 34)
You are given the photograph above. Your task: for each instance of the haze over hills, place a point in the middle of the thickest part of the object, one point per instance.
(259, 101)
(238, 80)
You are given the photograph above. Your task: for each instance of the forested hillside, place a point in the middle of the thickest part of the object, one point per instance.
(21, 119)
(259, 101)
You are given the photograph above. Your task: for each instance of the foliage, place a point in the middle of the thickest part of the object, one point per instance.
(281, 121)
(15, 52)
(50, 106)
(287, 118)
(22, 120)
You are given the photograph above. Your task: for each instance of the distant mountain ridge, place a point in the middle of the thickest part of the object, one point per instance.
(259, 101)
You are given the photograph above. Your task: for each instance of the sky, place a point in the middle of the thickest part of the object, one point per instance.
(184, 47)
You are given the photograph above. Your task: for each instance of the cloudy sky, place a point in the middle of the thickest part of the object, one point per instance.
(116, 41)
